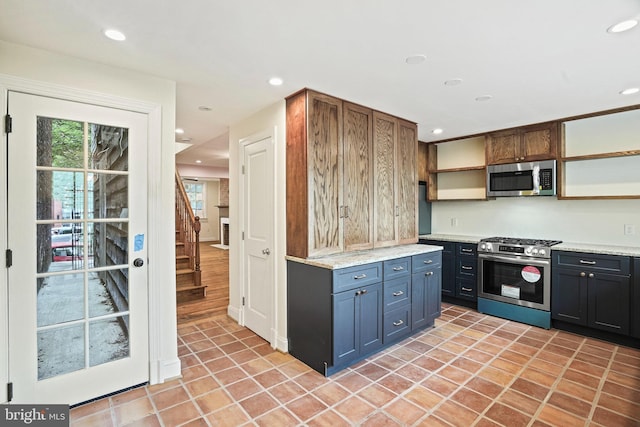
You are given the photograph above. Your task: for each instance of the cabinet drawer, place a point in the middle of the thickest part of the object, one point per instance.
(593, 262)
(466, 267)
(355, 277)
(466, 288)
(396, 268)
(426, 261)
(397, 292)
(396, 323)
(467, 249)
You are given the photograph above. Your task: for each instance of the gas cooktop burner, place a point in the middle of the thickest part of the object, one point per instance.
(525, 242)
(518, 247)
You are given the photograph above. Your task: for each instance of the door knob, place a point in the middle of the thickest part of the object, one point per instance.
(266, 251)
(138, 262)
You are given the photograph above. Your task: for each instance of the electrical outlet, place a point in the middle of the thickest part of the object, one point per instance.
(454, 222)
(629, 229)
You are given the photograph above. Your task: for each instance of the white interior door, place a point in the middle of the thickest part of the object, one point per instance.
(77, 197)
(259, 287)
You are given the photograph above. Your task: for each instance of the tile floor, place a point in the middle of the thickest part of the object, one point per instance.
(470, 370)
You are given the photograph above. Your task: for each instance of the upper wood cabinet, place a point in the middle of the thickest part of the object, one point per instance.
(525, 144)
(395, 144)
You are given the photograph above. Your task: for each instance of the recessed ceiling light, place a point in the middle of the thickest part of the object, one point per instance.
(483, 98)
(198, 161)
(437, 131)
(115, 35)
(453, 82)
(623, 26)
(415, 59)
(275, 81)
(179, 131)
(204, 108)
(630, 91)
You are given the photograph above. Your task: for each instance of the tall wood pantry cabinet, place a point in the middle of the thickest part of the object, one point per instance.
(339, 190)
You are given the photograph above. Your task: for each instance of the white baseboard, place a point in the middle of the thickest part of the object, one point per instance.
(235, 313)
(165, 370)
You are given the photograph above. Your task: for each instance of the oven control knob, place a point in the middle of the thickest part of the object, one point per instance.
(542, 252)
(534, 251)
(527, 251)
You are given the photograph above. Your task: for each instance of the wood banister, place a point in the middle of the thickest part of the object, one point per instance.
(189, 226)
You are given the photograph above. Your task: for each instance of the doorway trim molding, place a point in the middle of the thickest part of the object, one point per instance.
(159, 368)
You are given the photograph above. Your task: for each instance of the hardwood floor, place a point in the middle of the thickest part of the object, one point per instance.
(214, 264)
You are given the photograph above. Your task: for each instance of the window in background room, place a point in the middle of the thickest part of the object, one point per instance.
(196, 193)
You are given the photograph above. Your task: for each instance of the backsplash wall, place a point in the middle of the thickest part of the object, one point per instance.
(579, 221)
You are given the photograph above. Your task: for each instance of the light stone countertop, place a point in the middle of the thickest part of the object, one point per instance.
(564, 246)
(350, 259)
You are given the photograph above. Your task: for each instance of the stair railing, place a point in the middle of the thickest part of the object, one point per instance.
(189, 226)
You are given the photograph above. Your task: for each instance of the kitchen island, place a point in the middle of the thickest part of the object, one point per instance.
(345, 307)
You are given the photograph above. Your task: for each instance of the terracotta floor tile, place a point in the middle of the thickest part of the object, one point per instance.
(413, 373)
(454, 374)
(622, 392)
(306, 407)
(396, 383)
(353, 381)
(291, 368)
(486, 422)
(544, 366)
(389, 362)
(189, 360)
(198, 422)
(488, 348)
(90, 408)
(440, 385)
(442, 355)
(557, 417)
(455, 414)
(179, 414)
(621, 406)
(377, 395)
(539, 377)
(405, 412)
(423, 397)
(523, 349)
(277, 417)
(608, 418)
(622, 379)
(591, 359)
(587, 368)
(630, 370)
(310, 380)
(404, 353)
(507, 416)
(258, 405)
(519, 401)
(428, 363)
(193, 337)
(102, 419)
(229, 376)
(567, 341)
(418, 347)
(462, 322)
(472, 400)
(506, 365)
(200, 345)
(243, 388)
(209, 354)
(256, 366)
(150, 421)
(329, 419)
(193, 372)
(232, 347)
(287, 391)
(223, 339)
(230, 416)
(484, 387)
(560, 350)
(497, 376)
(478, 356)
(170, 397)
(372, 371)
(213, 401)
(219, 364)
(354, 409)
(576, 390)
(201, 386)
(581, 378)
(497, 341)
(453, 347)
(244, 356)
(270, 378)
(380, 419)
(506, 335)
(552, 357)
(531, 389)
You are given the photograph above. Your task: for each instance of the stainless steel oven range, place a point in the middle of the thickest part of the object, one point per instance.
(514, 279)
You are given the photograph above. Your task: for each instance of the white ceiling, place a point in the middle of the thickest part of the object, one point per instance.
(538, 60)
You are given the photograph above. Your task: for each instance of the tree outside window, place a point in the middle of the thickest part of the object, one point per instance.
(195, 192)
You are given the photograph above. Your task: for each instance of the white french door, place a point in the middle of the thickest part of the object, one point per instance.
(77, 198)
(259, 285)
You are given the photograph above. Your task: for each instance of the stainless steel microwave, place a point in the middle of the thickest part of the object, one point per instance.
(522, 179)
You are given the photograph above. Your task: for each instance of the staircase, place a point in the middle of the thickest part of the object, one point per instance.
(189, 285)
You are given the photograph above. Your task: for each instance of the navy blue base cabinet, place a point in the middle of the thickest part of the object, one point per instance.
(338, 317)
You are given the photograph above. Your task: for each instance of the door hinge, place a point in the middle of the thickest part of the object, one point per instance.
(242, 169)
(8, 258)
(8, 122)
(243, 235)
(9, 392)
(242, 300)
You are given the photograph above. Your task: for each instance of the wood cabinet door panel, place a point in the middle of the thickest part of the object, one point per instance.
(609, 302)
(324, 140)
(407, 187)
(503, 147)
(569, 296)
(384, 141)
(358, 178)
(346, 325)
(538, 145)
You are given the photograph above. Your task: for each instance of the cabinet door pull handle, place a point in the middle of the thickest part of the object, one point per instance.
(362, 276)
(582, 274)
(362, 292)
(591, 275)
(466, 267)
(398, 294)
(466, 250)
(467, 289)
(428, 261)
(429, 273)
(582, 261)
(398, 268)
(398, 323)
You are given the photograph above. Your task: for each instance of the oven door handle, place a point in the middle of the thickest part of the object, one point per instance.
(515, 260)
